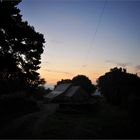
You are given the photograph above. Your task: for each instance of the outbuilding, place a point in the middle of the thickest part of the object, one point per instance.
(66, 93)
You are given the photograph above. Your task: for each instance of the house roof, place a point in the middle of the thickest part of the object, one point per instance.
(96, 93)
(67, 89)
(72, 90)
(61, 88)
(53, 94)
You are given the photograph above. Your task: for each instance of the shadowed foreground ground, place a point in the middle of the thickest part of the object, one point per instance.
(29, 125)
(108, 122)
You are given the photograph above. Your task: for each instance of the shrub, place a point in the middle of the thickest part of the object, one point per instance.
(17, 104)
(133, 109)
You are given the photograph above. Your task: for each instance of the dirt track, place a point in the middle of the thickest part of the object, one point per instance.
(28, 126)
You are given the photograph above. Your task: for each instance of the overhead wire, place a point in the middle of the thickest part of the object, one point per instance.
(95, 34)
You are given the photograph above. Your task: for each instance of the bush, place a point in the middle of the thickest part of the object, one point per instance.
(17, 104)
(133, 109)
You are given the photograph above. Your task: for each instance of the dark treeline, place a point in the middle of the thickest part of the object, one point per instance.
(123, 90)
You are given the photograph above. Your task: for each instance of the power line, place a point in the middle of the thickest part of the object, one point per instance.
(95, 33)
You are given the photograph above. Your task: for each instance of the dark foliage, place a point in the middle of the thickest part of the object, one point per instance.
(40, 92)
(15, 105)
(133, 110)
(118, 85)
(84, 82)
(122, 89)
(20, 50)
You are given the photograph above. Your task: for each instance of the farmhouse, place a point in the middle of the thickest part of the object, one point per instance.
(67, 92)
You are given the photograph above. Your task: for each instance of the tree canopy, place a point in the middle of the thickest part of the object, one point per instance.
(117, 85)
(84, 82)
(64, 81)
(20, 49)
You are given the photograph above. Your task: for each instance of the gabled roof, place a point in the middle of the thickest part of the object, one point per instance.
(61, 88)
(96, 93)
(53, 94)
(72, 90)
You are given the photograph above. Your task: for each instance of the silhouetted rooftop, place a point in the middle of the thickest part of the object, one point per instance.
(61, 88)
(72, 90)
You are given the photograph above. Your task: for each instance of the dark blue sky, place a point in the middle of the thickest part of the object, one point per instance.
(85, 36)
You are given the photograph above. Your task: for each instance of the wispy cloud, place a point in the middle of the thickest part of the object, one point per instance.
(121, 64)
(83, 65)
(137, 67)
(138, 73)
(56, 41)
(110, 61)
(57, 71)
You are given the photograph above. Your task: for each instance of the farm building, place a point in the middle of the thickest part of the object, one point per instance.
(76, 93)
(58, 92)
(67, 92)
(96, 93)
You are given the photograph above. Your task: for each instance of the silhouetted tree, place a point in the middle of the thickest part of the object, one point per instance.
(40, 92)
(84, 82)
(20, 50)
(117, 85)
(63, 81)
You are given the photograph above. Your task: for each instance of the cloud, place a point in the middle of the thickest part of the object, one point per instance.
(124, 64)
(138, 73)
(110, 61)
(137, 67)
(57, 71)
(56, 41)
(84, 65)
(71, 20)
(121, 64)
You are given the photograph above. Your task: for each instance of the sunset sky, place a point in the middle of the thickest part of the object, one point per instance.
(85, 36)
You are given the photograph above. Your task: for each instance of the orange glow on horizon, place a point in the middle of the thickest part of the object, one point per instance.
(52, 77)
